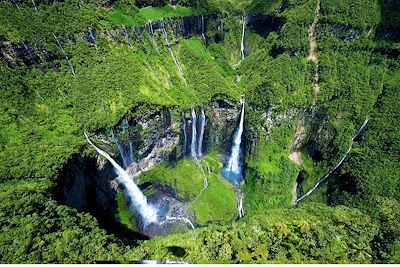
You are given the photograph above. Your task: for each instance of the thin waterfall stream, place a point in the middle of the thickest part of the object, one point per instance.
(178, 65)
(193, 153)
(201, 136)
(326, 176)
(242, 47)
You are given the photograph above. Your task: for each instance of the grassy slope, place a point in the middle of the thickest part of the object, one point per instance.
(216, 203)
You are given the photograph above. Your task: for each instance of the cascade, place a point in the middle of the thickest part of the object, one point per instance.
(66, 57)
(151, 32)
(202, 125)
(242, 48)
(139, 34)
(180, 219)
(128, 39)
(240, 206)
(92, 35)
(120, 149)
(34, 6)
(326, 176)
(178, 65)
(232, 171)
(16, 5)
(139, 201)
(184, 134)
(194, 135)
(202, 30)
(32, 56)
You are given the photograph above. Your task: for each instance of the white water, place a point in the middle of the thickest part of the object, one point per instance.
(128, 39)
(178, 65)
(120, 150)
(184, 135)
(150, 25)
(66, 57)
(202, 30)
(92, 35)
(16, 4)
(234, 160)
(326, 176)
(180, 219)
(242, 48)
(202, 125)
(139, 201)
(194, 135)
(240, 206)
(34, 6)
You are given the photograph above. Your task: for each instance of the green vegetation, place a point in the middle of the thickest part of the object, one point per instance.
(44, 109)
(216, 203)
(122, 17)
(125, 214)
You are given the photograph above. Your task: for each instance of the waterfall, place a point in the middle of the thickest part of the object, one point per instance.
(233, 169)
(120, 150)
(178, 65)
(32, 56)
(151, 32)
(139, 201)
(240, 206)
(17, 6)
(128, 39)
(184, 134)
(194, 135)
(202, 30)
(92, 35)
(326, 176)
(202, 125)
(66, 57)
(34, 6)
(180, 219)
(242, 48)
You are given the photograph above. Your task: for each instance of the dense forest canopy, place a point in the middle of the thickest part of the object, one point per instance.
(311, 72)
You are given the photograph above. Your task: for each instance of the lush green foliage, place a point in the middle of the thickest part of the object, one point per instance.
(44, 109)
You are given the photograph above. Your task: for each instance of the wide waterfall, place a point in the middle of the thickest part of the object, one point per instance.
(184, 134)
(233, 171)
(139, 201)
(202, 125)
(193, 153)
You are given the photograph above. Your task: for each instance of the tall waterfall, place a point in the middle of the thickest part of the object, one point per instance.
(233, 170)
(326, 176)
(66, 57)
(151, 32)
(178, 65)
(139, 201)
(184, 134)
(242, 48)
(202, 30)
(202, 125)
(194, 135)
